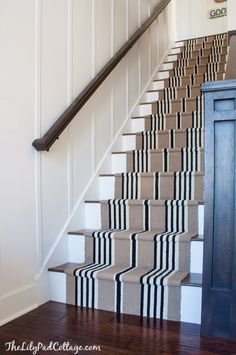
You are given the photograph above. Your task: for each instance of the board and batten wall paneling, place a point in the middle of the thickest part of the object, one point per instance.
(144, 59)
(18, 252)
(82, 44)
(192, 19)
(120, 25)
(60, 45)
(102, 33)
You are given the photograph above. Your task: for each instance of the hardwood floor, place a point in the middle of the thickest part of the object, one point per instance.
(114, 334)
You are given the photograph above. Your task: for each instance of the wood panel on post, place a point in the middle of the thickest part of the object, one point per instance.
(219, 269)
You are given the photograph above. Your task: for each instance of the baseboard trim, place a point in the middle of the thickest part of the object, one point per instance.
(17, 303)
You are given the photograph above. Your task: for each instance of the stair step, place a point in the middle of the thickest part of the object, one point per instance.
(147, 258)
(164, 186)
(64, 267)
(158, 160)
(200, 61)
(88, 233)
(172, 106)
(133, 215)
(171, 138)
(183, 80)
(160, 122)
(192, 279)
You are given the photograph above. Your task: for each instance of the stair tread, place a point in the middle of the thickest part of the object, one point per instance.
(132, 276)
(164, 131)
(198, 238)
(165, 114)
(192, 279)
(155, 150)
(171, 100)
(82, 232)
(194, 173)
(121, 234)
(89, 232)
(185, 76)
(152, 202)
(189, 39)
(62, 268)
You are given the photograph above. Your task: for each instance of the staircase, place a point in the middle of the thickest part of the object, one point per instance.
(143, 241)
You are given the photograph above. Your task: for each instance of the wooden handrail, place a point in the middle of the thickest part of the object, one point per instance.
(53, 133)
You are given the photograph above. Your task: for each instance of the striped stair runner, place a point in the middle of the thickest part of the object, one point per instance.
(136, 262)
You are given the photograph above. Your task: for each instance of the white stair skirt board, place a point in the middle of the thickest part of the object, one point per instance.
(128, 142)
(150, 97)
(201, 219)
(57, 286)
(196, 257)
(191, 303)
(191, 297)
(93, 216)
(118, 163)
(138, 125)
(106, 187)
(76, 248)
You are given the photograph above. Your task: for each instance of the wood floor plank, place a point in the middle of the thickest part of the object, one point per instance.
(115, 334)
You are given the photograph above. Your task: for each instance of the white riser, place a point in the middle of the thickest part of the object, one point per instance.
(162, 75)
(118, 163)
(171, 58)
(150, 97)
(76, 248)
(166, 66)
(178, 44)
(57, 286)
(175, 50)
(191, 297)
(191, 303)
(143, 110)
(156, 85)
(93, 216)
(106, 187)
(196, 257)
(128, 143)
(201, 220)
(138, 125)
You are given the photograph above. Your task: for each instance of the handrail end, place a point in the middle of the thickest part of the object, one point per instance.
(40, 145)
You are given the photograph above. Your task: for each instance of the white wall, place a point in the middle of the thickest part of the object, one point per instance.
(50, 49)
(231, 21)
(192, 18)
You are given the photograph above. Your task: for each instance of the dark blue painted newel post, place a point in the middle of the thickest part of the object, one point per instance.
(219, 269)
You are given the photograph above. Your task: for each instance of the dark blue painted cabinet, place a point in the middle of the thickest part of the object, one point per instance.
(219, 269)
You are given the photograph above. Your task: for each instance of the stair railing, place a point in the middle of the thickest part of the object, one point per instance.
(44, 143)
